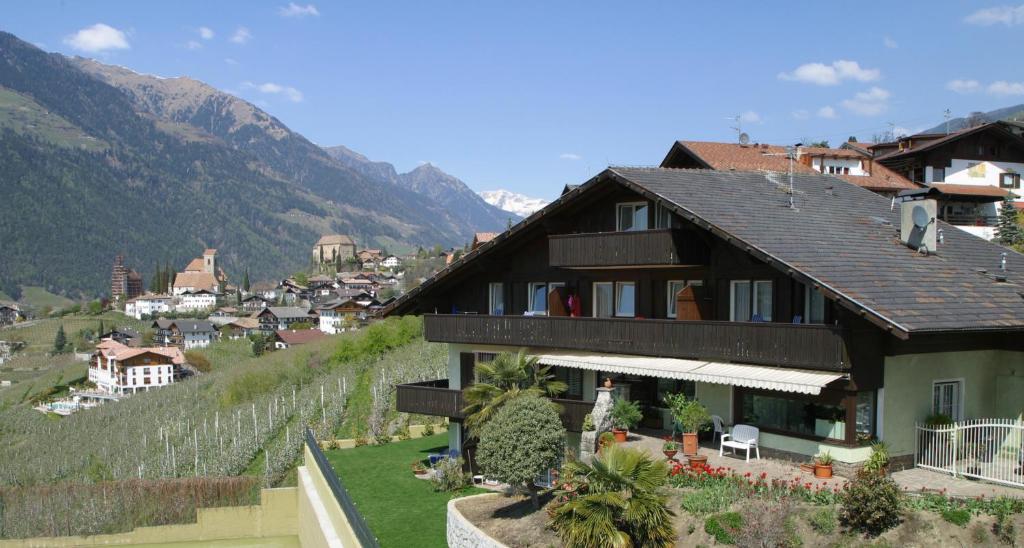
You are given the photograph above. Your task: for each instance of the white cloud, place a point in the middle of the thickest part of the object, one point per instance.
(868, 103)
(829, 75)
(271, 88)
(963, 86)
(826, 112)
(1003, 87)
(241, 35)
(801, 114)
(570, 156)
(1007, 15)
(193, 45)
(97, 38)
(206, 33)
(295, 10)
(230, 61)
(890, 43)
(750, 117)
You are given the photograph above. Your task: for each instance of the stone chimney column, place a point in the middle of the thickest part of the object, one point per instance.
(601, 416)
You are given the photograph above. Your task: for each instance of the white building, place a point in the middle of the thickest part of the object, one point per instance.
(197, 300)
(391, 262)
(147, 305)
(119, 369)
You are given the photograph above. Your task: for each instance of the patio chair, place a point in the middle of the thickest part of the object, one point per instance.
(719, 427)
(743, 436)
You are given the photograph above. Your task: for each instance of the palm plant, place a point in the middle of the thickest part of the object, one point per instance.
(503, 379)
(617, 502)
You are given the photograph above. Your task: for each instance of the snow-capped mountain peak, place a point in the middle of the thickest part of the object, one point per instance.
(521, 205)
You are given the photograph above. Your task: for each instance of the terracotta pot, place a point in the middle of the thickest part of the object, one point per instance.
(620, 435)
(823, 471)
(690, 443)
(697, 462)
(670, 454)
(607, 382)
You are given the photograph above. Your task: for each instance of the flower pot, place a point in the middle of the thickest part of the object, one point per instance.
(698, 462)
(690, 443)
(670, 454)
(823, 471)
(620, 435)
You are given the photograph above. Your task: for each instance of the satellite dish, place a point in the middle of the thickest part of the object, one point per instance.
(744, 139)
(920, 217)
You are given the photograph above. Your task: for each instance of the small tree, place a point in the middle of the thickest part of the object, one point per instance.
(245, 281)
(1008, 232)
(871, 503)
(60, 341)
(524, 440)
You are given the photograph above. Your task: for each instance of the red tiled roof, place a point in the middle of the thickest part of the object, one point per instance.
(299, 336)
(973, 190)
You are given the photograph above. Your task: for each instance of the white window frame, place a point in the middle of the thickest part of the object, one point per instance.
(662, 216)
(616, 295)
(490, 297)
(634, 205)
(753, 299)
(596, 307)
(531, 290)
(670, 296)
(808, 291)
(961, 392)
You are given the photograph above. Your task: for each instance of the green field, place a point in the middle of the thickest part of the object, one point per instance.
(396, 505)
(23, 115)
(38, 335)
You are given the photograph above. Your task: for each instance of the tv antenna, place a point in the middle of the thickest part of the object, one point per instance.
(947, 114)
(793, 153)
(738, 128)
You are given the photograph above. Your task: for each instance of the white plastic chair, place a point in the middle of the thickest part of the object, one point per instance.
(743, 436)
(719, 426)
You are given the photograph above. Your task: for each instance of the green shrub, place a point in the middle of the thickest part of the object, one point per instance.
(691, 415)
(403, 433)
(449, 476)
(871, 503)
(879, 458)
(957, 516)
(723, 526)
(626, 414)
(382, 439)
(766, 523)
(823, 520)
(428, 429)
(710, 500)
(361, 441)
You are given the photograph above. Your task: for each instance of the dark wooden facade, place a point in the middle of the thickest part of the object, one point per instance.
(991, 143)
(660, 247)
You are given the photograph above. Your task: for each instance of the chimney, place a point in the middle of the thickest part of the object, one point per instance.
(917, 225)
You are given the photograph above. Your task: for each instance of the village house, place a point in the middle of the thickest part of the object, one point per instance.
(119, 369)
(10, 314)
(335, 315)
(201, 274)
(391, 262)
(255, 303)
(148, 305)
(274, 318)
(240, 328)
(123, 335)
(185, 333)
(286, 338)
(819, 321)
(196, 300)
(332, 248)
(481, 238)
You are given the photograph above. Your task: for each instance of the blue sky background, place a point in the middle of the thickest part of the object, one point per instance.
(529, 96)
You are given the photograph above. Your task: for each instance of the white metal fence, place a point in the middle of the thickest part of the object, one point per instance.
(987, 449)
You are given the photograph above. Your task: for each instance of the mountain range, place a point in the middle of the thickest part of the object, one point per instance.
(521, 205)
(97, 160)
(1015, 112)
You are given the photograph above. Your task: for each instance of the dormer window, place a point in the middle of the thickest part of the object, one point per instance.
(631, 216)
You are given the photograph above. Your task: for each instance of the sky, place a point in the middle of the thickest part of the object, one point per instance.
(528, 96)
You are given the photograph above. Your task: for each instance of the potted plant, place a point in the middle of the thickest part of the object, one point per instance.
(878, 462)
(670, 448)
(605, 439)
(419, 469)
(625, 415)
(692, 416)
(823, 465)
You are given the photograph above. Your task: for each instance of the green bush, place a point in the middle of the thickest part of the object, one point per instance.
(449, 476)
(626, 414)
(691, 415)
(957, 516)
(723, 526)
(428, 429)
(871, 503)
(524, 440)
(823, 520)
(382, 439)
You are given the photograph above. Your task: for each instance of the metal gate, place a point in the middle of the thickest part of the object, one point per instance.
(987, 449)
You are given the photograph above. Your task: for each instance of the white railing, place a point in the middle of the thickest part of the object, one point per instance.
(987, 449)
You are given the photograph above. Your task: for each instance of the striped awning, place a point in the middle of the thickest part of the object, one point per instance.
(750, 376)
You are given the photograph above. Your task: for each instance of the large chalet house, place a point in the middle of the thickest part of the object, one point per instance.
(148, 305)
(812, 313)
(975, 169)
(122, 370)
(274, 318)
(10, 314)
(185, 333)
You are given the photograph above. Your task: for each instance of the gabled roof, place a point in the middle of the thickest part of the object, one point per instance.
(335, 239)
(299, 336)
(194, 326)
(984, 192)
(931, 141)
(287, 312)
(195, 265)
(203, 280)
(840, 237)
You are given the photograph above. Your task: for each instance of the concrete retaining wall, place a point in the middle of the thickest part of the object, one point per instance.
(462, 533)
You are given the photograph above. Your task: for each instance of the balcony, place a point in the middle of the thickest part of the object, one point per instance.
(436, 399)
(663, 247)
(971, 220)
(818, 347)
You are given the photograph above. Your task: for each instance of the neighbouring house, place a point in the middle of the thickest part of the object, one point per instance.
(850, 165)
(10, 314)
(332, 247)
(255, 303)
(975, 168)
(287, 338)
(200, 299)
(335, 315)
(239, 328)
(358, 284)
(125, 283)
(821, 322)
(123, 335)
(201, 274)
(370, 255)
(8, 348)
(391, 262)
(148, 305)
(274, 318)
(481, 238)
(185, 333)
(119, 369)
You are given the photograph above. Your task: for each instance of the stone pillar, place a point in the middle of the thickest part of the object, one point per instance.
(602, 419)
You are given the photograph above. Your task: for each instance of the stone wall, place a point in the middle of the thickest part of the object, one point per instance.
(462, 533)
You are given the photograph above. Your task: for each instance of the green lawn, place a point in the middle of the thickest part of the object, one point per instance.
(400, 509)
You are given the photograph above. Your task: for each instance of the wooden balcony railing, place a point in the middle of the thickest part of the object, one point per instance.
(764, 343)
(639, 248)
(436, 399)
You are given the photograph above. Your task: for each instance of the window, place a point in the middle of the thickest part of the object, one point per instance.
(750, 301)
(496, 299)
(938, 174)
(818, 417)
(947, 398)
(865, 415)
(673, 289)
(573, 378)
(538, 295)
(631, 216)
(814, 306)
(662, 217)
(625, 299)
(1009, 180)
(603, 299)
